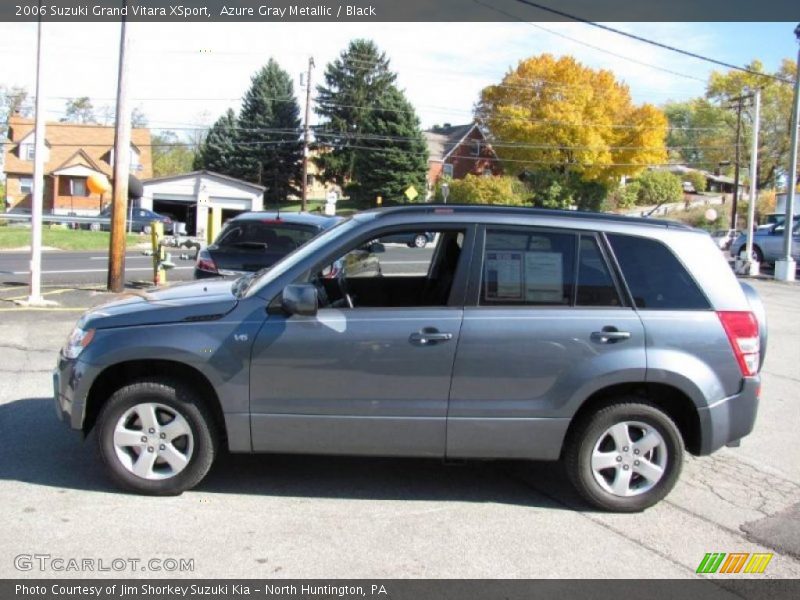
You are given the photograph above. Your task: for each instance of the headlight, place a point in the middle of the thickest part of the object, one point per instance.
(77, 341)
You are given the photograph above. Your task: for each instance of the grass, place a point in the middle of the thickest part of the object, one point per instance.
(63, 239)
(344, 207)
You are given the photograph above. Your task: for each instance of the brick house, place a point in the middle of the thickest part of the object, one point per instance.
(73, 152)
(455, 151)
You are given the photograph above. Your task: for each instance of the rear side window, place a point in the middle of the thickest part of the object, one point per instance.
(656, 279)
(528, 268)
(265, 234)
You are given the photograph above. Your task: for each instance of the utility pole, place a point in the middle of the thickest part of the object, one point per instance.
(735, 204)
(786, 266)
(306, 135)
(35, 294)
(751, 267)
(122, 146)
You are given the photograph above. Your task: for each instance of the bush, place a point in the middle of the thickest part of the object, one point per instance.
(697, 179)
(626, 196)
(658, 187)
(478, 189)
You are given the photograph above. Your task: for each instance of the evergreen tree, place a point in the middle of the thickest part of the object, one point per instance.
(400, 155)
(219, 152)
(269, 150)
(360, 106)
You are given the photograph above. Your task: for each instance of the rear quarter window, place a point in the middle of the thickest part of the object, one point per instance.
(656, 278)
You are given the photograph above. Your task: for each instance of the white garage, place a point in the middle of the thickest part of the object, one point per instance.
(189, 196)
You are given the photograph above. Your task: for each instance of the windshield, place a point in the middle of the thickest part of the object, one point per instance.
(253, 283)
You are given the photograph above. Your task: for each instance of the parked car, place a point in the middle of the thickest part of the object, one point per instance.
(688, 187)
(412, 240)
(256, 240)
(768, 243)
(724, 237)
(609, 342)
(141, 220)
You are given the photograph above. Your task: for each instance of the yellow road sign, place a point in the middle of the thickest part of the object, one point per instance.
(411, 193)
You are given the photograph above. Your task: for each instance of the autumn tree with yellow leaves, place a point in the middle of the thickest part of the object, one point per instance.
(569, 128)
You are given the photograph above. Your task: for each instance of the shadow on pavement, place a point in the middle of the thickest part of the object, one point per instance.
(40, 450)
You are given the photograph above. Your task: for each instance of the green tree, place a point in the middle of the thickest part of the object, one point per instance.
(171, 156)
(697, 179)
(13, 100)
(79, 110)
(701, 133)
(269, 149)
(219, 152)
(355, 84)
(776, 114)
(387, 168)
(657, 187)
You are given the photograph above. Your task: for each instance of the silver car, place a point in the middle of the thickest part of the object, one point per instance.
(768, 243)
(612, 344)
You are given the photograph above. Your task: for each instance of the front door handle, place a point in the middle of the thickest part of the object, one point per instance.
(610, 335)
(429, 336)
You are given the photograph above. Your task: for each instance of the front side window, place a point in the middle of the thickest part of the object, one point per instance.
(595, 285)
(656, 279)
(528, 267)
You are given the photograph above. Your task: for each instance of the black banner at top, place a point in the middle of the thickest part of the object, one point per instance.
(399, 10)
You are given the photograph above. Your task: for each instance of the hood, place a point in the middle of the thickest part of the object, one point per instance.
(194, 301)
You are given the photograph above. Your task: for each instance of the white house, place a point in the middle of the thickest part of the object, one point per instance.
(187, 197)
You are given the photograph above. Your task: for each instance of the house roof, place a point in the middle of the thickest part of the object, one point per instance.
(212, 174)
(65, 140)
(443, 140)
(683, 169)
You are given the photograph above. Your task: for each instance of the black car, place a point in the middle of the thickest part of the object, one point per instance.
(256, 240)
(141, 220)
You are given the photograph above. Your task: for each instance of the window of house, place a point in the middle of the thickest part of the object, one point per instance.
(487, 172)
(595, 284)
(78, 187)
(28, 151)
(528, 267)
(656, 279)
(26, 185)
(387, 275)
(476, 148)
(447, 170)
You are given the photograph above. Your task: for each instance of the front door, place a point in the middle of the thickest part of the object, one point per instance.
(371, 378)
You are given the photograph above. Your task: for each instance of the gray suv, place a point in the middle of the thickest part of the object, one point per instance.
(608, 342)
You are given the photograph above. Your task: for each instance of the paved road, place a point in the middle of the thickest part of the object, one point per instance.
(92, 267)
(279, 516)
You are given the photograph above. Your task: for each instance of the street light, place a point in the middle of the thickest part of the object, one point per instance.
(785, 267)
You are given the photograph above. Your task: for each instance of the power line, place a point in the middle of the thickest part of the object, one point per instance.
(651, 42)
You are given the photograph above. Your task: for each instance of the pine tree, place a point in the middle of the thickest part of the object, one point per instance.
(400, 155)
(218, 151)
(363, 115)
(270, 150)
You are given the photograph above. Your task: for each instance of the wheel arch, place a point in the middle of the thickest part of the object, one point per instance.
(671, 400)
(120, 374)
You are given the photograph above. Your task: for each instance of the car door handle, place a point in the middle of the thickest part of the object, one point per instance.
(610, 335)
(428, 337)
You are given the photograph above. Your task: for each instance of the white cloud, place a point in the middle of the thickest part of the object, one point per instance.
(442, 66)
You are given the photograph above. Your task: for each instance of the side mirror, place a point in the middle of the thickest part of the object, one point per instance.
(376, 248)
(300, 299)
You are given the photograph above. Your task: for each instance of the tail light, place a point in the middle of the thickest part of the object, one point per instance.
(742, 330)
(205, 262)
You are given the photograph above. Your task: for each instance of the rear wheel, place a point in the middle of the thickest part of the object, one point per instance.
(420, 241)
(625, 457)
(156, 437)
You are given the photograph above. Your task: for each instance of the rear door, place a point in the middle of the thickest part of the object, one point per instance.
(547, 324)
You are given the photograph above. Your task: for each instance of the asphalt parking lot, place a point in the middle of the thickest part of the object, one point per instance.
(309, 517)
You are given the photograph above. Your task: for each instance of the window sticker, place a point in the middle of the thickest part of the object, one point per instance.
(504, 275)
(544, 277)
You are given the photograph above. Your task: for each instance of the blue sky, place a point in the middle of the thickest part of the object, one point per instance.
(184, 75)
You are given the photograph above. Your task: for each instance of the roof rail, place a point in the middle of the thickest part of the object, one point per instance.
(524, 210)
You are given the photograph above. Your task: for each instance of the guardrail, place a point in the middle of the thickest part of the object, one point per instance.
(55, 218)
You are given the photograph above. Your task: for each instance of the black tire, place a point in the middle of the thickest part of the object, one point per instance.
(758, 254)
(588, 431)
(420, 241)
(184, 401)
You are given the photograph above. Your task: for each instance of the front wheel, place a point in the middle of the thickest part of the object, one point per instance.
(156, 437)
(624, 457)
(420, 241)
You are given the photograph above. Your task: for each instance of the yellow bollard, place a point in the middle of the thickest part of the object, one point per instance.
(156, 233)
(214, 223)
(379, 201)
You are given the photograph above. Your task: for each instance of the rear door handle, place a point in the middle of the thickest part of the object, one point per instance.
(429, 336)
(610, 335)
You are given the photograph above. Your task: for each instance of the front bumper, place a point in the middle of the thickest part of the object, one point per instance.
(71, 382)
(730, 419)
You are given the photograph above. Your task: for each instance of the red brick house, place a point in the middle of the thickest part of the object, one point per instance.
(73, 152)
(455, 151)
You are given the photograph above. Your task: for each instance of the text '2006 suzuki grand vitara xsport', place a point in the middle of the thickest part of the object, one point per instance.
(610, 343)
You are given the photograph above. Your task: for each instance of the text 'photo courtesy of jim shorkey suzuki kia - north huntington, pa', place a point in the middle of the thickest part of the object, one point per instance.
(612, 344)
